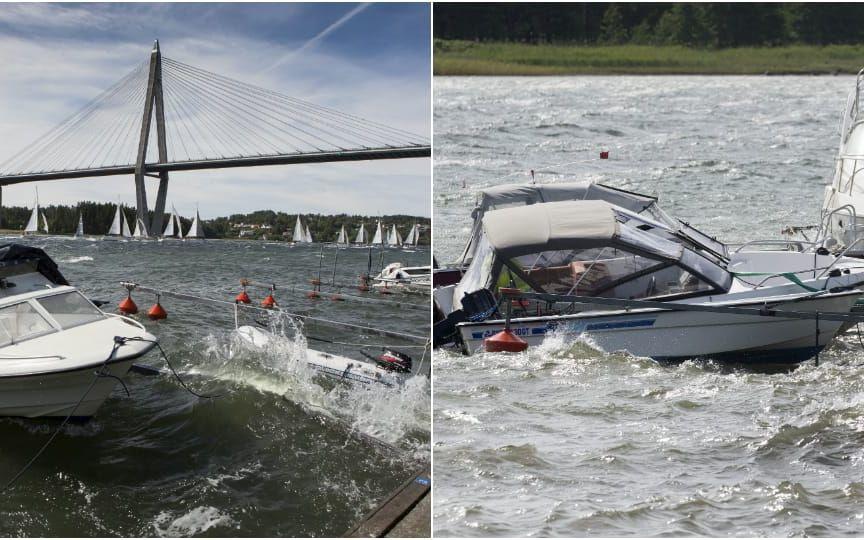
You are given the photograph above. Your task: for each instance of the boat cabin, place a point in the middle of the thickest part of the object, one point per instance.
(588, 248)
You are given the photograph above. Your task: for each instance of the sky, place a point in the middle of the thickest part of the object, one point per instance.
(368, 60)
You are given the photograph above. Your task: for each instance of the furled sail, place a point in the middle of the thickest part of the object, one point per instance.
(361, 235)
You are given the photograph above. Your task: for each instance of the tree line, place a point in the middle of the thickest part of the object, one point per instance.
(709, 25)
(98, 216)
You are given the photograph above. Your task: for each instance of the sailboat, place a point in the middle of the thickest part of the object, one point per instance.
(299, 236)
(79, 231)
(33, 223)
(413, 236)
(342, 239)
(378, 239)
(362, 237)
(119, 227)
(195, 230)
(308, 239)
(174, 229)
(394, 238)
(140, 229)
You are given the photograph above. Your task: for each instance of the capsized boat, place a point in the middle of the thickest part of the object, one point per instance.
(397, 277)
(55, 343)
(592, 248)
(389, 369)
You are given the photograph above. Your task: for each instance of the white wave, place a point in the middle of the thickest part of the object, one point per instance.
(196, 521)
(73, 260)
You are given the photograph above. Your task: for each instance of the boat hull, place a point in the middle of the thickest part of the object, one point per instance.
(681, 335)
(56, 394)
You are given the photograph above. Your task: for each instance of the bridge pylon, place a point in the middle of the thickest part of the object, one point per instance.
(154, 100)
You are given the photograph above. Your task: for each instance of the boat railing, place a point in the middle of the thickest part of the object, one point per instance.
(853, 224)
(799, 244)
(840, 256)
(794, 273)
(850, 115)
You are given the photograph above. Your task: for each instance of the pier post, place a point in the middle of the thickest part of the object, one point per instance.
(154, 97)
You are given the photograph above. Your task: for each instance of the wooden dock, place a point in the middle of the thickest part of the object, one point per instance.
(405, 513)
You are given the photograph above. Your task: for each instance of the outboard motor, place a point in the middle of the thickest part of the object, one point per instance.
(394, 361)
(476, 306)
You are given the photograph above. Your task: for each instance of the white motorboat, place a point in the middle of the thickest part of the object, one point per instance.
(842, 217)
(59, 353)
(338, 367)
(595, 249)
(398, 278)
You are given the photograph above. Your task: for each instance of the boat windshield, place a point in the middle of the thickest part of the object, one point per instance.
(603, 272)
(70, 309)
(21, 321)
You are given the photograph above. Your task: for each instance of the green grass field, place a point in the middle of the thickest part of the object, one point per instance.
(470, 58)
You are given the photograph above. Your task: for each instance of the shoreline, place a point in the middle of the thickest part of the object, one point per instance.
(498, 59)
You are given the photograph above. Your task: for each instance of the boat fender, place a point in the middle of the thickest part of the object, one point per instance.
(127, 305)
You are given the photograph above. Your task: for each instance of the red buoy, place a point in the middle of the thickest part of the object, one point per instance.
(505, 341)
(604, 154)
(157, 312)
(243, 298)
(269, 302)
(128, 306)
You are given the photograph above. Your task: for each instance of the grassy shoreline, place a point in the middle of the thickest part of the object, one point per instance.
(515, 59)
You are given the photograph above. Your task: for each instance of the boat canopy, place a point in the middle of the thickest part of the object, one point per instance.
(591, 248)
(510, 195)
(17, 255)
(521, 195)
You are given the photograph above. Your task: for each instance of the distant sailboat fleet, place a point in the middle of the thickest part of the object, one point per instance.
(120, 228)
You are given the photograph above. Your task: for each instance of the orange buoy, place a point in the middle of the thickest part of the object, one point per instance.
(269, 302)
(128, 305)
(243, 298)
(313, 295)
(157, 312)
(505, 341)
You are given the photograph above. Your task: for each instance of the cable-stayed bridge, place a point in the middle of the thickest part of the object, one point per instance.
(166, 116)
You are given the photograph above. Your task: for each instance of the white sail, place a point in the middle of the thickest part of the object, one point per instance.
(394, 238)
(299, 233)
(411, 240)
(33, 223)
(44, 223)
(169, 229)
(343, 236)
(140, 229)
(195, 230)
(361, 235)
(308, 238)
(378, 238)
(116, 225)
(179, 225)
(125, 230)
(79, 232)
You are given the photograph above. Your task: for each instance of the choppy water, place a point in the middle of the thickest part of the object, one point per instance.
(280, 454)
(564, 440)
